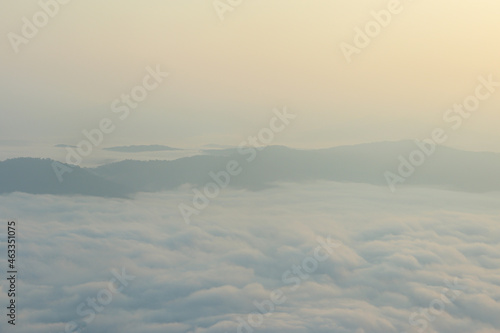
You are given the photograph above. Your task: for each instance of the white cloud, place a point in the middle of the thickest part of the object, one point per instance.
(396, 252)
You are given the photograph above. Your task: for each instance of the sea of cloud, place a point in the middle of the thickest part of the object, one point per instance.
(416, 261)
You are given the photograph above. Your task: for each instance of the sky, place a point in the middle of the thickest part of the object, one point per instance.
(226, 75)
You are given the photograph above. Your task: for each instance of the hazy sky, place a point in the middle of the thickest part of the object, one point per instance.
(227, 76)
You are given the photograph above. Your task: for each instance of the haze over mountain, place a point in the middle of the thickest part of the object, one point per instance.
(140, 148)
(447, 168)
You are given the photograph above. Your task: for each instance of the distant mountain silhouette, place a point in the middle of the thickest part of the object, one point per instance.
(36, 176)
(447, 168)
(62, 145)
(216, 146)
(139, 149)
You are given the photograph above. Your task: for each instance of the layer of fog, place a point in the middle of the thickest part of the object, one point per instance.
(396, 252)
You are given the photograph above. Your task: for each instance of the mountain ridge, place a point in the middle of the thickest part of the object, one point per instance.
(446, 168)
